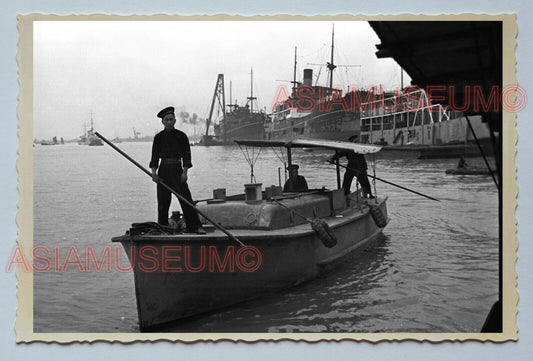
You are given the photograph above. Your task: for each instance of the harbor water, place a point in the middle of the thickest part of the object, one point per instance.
(434, 269)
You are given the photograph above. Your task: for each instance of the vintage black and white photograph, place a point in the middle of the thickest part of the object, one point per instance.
(311, 178)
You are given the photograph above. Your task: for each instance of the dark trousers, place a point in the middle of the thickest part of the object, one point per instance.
(170, 174)
(362, 178)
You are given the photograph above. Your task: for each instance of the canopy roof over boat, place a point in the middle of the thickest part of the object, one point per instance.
(455, 58)
(312, 143)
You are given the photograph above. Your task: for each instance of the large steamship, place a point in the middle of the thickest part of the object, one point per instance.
(400, 120)
(314, 112)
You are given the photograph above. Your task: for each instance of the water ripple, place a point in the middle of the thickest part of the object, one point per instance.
(435, 269)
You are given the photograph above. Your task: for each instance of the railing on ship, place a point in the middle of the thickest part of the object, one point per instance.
(400, 110)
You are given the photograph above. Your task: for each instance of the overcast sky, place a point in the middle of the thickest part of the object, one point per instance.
(124, 72)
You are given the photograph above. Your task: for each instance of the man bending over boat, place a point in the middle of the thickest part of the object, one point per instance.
(356, 167)
(172, 147)
(462, 163)
(295, 182)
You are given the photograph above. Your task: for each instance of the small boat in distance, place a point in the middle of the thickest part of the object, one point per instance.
(52, 142)
(278, 240)
(88, 137)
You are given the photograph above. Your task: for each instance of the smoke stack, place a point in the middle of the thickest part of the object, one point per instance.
(308, 77)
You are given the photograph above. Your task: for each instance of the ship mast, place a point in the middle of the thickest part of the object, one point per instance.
(231, 105)
(294, 83)
(331, 66)
(251, 98)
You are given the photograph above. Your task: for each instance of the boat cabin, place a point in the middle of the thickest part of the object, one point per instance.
(271, 208)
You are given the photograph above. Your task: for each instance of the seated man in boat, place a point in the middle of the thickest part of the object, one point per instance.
(295, 182)
(462, 163)
(356, 167)
(173, 148)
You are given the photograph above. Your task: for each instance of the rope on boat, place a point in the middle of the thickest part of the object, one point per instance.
(319, 226)
(280, 154)
(251, 159)
(151, 228)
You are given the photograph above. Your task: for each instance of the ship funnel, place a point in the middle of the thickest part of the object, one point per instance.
(308, 77)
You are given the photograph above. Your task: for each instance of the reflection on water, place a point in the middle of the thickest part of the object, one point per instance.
(433, 270)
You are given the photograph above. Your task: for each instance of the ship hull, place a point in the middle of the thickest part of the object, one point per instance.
(254, 130)
(334, 125)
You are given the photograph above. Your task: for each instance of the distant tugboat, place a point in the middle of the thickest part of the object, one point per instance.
(53, 142)
(116, 140)
(89, 138)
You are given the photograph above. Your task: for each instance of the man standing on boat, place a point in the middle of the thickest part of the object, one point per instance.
(173, 148)
(356, 167)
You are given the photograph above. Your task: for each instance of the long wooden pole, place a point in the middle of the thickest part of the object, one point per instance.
(183, 199)
(392, 184)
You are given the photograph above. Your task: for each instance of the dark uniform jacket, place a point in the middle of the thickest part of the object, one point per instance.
(295, 184)
(355, 160)
(171, 145)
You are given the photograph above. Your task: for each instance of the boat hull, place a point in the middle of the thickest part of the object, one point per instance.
(183, 275)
